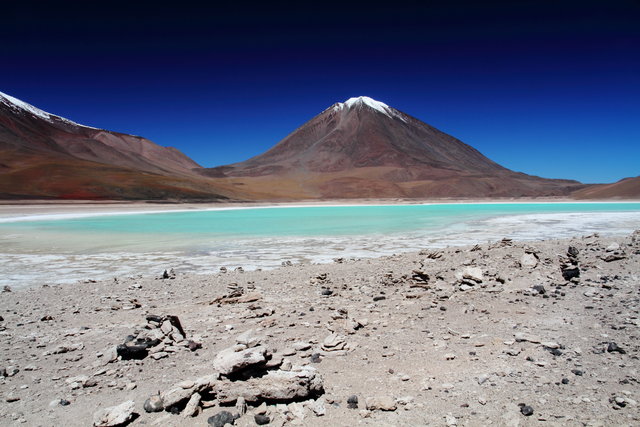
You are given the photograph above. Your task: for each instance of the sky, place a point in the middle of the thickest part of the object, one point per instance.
(549, 88)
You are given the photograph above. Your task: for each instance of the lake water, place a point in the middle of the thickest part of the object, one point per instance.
(67, 248)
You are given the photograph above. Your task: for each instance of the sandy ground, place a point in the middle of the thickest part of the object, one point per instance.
(461, 336)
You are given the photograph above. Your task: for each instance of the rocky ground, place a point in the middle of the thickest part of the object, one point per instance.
(505, 333)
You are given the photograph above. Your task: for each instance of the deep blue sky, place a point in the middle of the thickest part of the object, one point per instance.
(550, 88)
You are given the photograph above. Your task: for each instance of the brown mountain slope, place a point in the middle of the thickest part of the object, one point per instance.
(364, 148)
(47, 156)
(627, 188)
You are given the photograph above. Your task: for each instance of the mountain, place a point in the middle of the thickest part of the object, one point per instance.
(47, 156)
(364, 148)
(627, 188)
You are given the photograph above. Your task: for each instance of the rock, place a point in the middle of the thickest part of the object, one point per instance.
(261, 419)
(616, 256)
(529, 260)
(132, 352)
(221, 419)
(614, 348)
(381, 403)
(539, 289)
(315, 358)
(249, 339)
(229, 361)
(153, 404)
(450, 420)
(114, 415)
(521, 336)
(573, 252)
(352, 402)
(473, 273)
(193, 406)
(175, 395)
(570, 271)
(280, 386)
(301, 346)
(241, 406)
(10, 371)
(334, 342)
(318, 407)
(613, 247)
(526, 410)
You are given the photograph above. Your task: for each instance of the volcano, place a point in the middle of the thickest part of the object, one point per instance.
(364, 148)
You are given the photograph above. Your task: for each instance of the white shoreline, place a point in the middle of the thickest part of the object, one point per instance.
(61, 216)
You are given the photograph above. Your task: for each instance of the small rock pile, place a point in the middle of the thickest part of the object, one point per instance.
(159, 337)
(569, 266)
(246, 373)
(469, 277)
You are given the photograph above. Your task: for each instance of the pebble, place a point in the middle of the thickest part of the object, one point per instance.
(261, 419)
(526, 410)
(352, 402)
(221, 418)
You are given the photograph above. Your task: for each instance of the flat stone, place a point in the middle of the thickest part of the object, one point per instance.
(175, 396)
(192, 406)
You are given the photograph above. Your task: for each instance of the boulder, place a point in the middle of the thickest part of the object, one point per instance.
(279, 386)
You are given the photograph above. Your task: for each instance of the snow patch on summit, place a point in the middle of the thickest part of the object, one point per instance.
(378, 106)
(21, 106)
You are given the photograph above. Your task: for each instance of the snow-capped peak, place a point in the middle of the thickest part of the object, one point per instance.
(371, 103)
(21, 106)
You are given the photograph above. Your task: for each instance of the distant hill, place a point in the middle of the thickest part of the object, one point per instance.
(627, 188)
(364, 148)
(47, 156)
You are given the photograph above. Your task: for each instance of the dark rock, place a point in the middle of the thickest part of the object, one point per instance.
(155, 318)
(132, 352)
(193, 345)
(526, 410)
(221, 419)
(153, 404)
(570, 271)
(64, 402)
(554, 351)
(539, 289)
(315, 358)
(614, 257)
(46, 318)
(165, 275)
(614, 348)
(565, 381)
(261, 419)
(326, 292)
(577, 372)
(352, 402)
(379, 298)
(573, 252)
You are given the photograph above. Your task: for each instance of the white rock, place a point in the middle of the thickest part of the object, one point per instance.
(114, 415)
(229, 361)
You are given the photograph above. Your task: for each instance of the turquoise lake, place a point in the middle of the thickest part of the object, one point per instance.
(98, 246)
